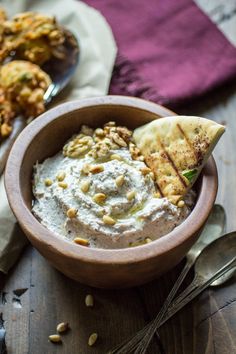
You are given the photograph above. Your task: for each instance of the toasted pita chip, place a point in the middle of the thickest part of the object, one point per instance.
(176, 149)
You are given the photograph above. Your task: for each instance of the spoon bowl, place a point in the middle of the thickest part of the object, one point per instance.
(61, 71)
(224, 278)
(210, 261)
(214, 228)
(216, 259)
(215, 256)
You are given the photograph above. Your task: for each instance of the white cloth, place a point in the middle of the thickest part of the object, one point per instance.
(92, 78)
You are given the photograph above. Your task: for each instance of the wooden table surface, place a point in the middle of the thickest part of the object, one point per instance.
(36, 297)
(207, 325)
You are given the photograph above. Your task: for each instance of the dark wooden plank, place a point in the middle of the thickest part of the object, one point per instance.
(207, 325)
(52, 298)
(198, 328)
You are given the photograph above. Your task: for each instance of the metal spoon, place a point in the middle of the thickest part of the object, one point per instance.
(61, 72)
(211, 261)
(212, 257)
(213, 229)
(204, 281)
(216, 260)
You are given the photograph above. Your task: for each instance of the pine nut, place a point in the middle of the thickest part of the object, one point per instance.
(99, 132)
(130, 195)
(62, 327)
(181, 204)
(96, 169)
(140, 158)
(110, 124)
(120, 180)
(152, 176)
(71, 213)
(55, 338)
(48, 182)
(85, 185)
(86, 130)
(63, 185)
(157, 195)
(99, 198)
(108, 220)
(137, 243)
(89, 300)
(115, 157)
(174, 199)
(5, 129)
(145, 170)
(61, 176)
(92, 339)
(86, 168)
(81, 241)
(100, 213)
(118, 140)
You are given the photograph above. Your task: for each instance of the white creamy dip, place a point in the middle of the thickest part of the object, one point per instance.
(144, 216)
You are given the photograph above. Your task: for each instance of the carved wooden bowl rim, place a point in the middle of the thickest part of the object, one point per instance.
(40, 234)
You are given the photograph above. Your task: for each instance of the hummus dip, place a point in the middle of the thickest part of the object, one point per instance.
(98, 192)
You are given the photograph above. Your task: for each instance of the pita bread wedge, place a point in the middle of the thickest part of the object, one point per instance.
(176, 149)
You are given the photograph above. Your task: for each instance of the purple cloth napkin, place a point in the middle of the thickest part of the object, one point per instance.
(169, 51)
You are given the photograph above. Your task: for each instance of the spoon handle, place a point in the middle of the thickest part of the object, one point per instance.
(208, 234)
(173, 292)
(195, 292)
(130, 343)
(217, 214)
(195, 282)
(143, 345)
(161, 313)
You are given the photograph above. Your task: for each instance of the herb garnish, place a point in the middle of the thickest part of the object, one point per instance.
(190, 174)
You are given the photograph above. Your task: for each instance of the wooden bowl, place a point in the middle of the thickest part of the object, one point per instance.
(97, 267)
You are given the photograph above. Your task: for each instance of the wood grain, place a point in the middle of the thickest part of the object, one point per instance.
(206, 326)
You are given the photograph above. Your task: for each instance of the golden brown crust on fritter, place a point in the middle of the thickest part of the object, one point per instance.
(23, 85)
(34, 37)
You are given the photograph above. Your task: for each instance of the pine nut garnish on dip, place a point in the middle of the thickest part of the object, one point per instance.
(124, 187)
